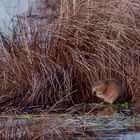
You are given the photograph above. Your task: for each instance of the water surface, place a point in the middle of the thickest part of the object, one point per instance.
(10, 8)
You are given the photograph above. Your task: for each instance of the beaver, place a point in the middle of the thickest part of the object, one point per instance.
(110, 90)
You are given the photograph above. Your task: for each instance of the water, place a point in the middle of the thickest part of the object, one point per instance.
(128, 134)
(112, 128)
(10, 8)
(83, 127)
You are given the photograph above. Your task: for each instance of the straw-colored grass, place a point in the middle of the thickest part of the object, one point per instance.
(90, 40)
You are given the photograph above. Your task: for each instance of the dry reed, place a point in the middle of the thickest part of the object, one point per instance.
(42, 64)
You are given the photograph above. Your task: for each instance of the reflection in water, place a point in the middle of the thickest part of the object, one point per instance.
(110, 128)
(83, 127)
(110, 135)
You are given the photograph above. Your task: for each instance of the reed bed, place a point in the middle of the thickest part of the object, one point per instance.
(45, 64)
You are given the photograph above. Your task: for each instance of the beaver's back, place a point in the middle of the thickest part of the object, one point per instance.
(109, 90)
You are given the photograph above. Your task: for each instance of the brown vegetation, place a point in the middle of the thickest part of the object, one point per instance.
(91, 40)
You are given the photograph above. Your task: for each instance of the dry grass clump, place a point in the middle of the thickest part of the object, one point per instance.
(91, 40)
